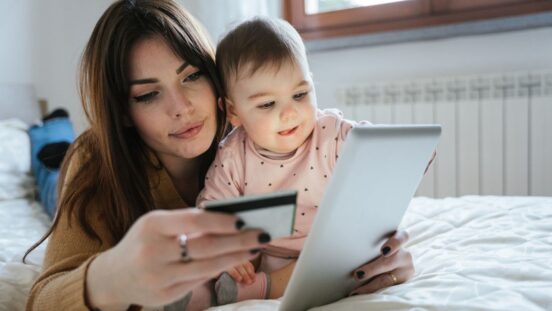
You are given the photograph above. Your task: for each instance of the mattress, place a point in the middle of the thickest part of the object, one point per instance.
(470, 253)
(22, 223)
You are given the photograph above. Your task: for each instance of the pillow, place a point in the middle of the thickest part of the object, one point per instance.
(15, 147)
(15, 186)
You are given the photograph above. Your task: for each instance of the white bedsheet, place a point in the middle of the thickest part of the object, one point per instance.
(471, 253)
(22, 223)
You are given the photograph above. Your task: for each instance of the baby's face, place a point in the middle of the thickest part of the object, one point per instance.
(275, 106)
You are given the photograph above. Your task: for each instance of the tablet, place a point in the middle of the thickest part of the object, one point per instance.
(374, 180)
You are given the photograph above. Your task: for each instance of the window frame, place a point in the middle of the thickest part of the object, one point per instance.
(403, 15)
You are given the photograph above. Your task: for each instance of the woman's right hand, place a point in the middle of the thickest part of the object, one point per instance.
(145, 267)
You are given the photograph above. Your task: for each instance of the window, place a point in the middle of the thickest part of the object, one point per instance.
(320, 6)
(316, 19)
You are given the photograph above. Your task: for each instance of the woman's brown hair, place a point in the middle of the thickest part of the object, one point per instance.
(112, 158)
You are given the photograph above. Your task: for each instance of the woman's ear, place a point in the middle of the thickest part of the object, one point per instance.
(231, 113)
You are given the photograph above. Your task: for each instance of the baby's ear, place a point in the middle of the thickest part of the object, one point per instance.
(231, 112)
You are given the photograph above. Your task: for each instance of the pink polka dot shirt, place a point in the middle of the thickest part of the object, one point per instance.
(243, 168)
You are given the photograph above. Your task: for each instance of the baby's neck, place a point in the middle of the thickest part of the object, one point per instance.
(274, 155)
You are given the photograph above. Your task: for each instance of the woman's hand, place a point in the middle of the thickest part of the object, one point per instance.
(394, 266)
(146, 267)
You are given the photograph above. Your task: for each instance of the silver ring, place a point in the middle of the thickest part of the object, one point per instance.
(183, 243)
(394, 279)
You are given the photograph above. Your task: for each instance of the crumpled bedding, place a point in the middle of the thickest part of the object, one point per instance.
(470, 253)
(15, 160)
(15, 147)
(22, 223)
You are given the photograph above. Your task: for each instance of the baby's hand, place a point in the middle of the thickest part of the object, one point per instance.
(244, 273)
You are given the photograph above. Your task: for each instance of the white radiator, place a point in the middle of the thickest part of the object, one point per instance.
(497, 129)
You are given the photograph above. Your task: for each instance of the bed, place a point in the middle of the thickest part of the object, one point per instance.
(22, 219)
(471, 252)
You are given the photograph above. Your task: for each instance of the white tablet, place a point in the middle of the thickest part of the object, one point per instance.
(374, 180)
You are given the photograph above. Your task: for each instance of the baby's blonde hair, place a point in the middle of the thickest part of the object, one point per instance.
(255, 44)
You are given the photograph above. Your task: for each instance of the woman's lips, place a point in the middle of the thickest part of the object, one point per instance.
(188, 131)
(288, 132)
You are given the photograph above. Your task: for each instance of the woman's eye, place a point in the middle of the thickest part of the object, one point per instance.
(300, 96)
(194, 76)
(146, 98)
(266, 105)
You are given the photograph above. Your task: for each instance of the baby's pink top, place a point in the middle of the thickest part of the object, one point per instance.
(243, 168)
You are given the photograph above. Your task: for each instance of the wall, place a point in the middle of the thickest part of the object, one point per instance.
(16, 38)
(506, 153)
(491, 53)
(219, 15)
(61, 29)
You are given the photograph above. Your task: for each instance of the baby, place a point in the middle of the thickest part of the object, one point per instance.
(280, 141)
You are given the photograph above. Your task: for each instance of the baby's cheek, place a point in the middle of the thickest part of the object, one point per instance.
(265, 126)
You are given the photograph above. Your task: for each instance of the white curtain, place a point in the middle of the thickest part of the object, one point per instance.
(218, 16)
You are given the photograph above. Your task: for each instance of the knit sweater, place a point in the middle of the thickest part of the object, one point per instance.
(62, 283)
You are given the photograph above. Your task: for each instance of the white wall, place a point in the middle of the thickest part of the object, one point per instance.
(15, 41)
(41, 44)
(491, 53)
(61, 29)
(219, 15)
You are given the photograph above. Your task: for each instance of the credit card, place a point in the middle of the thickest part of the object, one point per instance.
(272, 212)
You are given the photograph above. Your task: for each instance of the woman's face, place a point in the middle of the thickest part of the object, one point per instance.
(172, 103)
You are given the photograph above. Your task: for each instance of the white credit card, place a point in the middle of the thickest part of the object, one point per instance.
(272, 212)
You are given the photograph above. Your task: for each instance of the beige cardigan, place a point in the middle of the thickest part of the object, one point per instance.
(61, 285)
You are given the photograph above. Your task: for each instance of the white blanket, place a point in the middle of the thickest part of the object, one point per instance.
(471, 253)
(15, 160)
(15, 147)
(22, 223)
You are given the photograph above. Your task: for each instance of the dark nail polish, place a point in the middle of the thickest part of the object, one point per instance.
(255, 251)
(360, 274)
(386, 250)
(264, 238)
(239, 224)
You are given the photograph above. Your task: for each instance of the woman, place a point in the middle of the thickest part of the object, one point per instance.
(121, 237)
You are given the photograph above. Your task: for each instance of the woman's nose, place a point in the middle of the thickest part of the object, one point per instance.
(181, 105)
